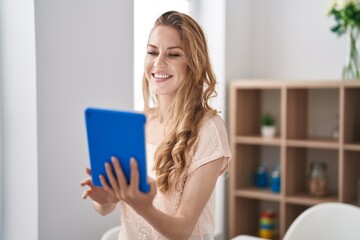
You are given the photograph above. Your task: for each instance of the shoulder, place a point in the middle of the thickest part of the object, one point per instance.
(212, 132)
(215, 119)
(211, 125)
(211, 144)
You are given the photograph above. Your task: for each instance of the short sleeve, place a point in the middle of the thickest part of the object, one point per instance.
(212, 144)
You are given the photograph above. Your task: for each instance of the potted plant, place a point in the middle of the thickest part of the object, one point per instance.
(267, 126)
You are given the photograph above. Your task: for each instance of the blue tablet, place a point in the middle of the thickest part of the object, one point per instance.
(116, 133)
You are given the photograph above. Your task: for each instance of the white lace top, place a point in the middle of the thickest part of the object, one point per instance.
(212, 144)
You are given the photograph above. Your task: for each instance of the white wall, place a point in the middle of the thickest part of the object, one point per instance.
(83, 57)
(20, 197)
(238, 26)
(1, 160)
(1, 127)
(285, 39)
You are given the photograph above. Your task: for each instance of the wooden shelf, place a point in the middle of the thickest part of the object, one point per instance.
(258, 140)
(352, 147)
(305, 118)
(309, 143)
(306, 200)
(255, 193)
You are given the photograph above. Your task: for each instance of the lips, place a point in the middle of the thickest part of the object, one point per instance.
(161, 77)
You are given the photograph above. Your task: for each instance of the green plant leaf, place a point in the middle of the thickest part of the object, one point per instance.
(267, 120)
(336, 28)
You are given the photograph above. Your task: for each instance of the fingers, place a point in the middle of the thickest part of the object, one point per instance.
(111, 177)
(86, 182)
(118, 186)
(107, 188)
(134, 175)
(119, 174)
(85, 194)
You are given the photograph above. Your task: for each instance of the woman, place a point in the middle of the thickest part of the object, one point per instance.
(186, 142)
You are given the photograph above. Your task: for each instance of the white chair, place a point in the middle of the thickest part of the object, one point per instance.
(111, 234)
(247, 237)
(328, 221)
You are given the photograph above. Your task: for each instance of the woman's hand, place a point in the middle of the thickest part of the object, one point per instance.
(128, 193)
(97, 194)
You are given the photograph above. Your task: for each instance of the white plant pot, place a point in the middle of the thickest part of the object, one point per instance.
(268, 131)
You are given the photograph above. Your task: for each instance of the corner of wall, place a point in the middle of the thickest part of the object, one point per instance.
(1, 124)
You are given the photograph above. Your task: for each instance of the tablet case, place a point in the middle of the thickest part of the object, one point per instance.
(116, 133)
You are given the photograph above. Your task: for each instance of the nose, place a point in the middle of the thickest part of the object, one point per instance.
(160, 61)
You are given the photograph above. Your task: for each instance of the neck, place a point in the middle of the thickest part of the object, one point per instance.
(163, 109)
(163, 113)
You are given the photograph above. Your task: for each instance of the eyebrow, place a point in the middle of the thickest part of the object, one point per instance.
(169, 48)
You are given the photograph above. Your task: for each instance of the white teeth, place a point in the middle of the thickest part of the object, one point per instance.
(161, 75)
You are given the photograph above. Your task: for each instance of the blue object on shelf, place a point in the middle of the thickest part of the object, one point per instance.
(261, 180)
(275, 180)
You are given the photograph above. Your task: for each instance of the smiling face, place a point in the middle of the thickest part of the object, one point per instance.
(165, 63)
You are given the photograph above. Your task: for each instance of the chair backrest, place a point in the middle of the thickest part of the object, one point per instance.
(111, 234)
(330, 221)
(247, 237)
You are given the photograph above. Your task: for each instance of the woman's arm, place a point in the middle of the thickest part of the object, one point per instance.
(197, 192)
(198, 188)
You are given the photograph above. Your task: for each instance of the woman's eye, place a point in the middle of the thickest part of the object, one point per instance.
(174, 55)
(152, 53)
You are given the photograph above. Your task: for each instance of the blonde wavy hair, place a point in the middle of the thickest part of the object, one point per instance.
(191, 103)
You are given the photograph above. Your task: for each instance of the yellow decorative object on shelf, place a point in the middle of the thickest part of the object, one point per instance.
(267, 224)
